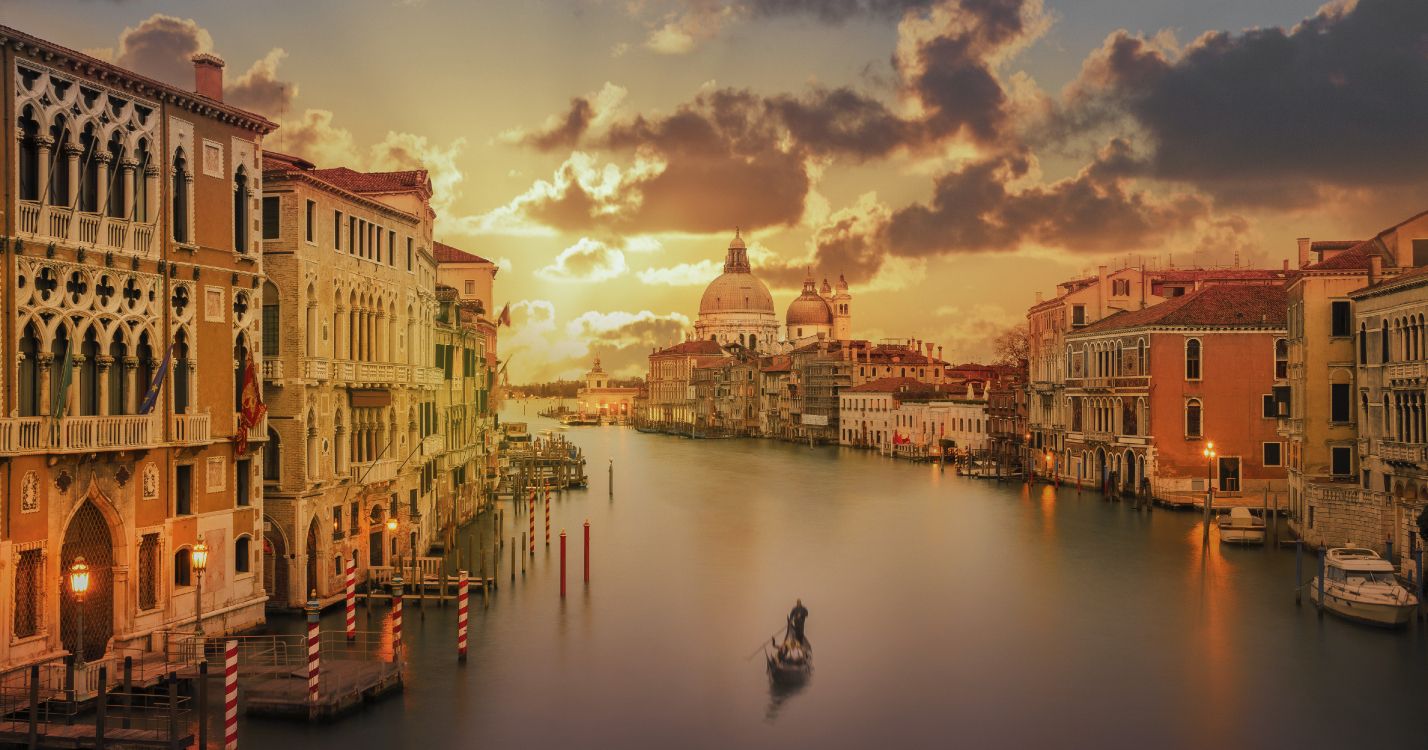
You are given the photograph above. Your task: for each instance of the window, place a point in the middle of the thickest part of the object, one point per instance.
(1120, 287)
(470, 287)
(1363, 344)
(391, 248)
(242, 555)
(339, 566)
(272, 457)
(1383, 340)
(409, 253)
(183, 490)
(179, 197)
(1269, 409)
(1229, 474)
(336, 230)
(1193, 418)
(1078, 315)
(242, 479)
(1281, 359)
(1339, 402)
(1341, 320)
(352, 527)
(1192, 359)
(271, 217)
(271, 320)
(337, 522)
(29, 571)
(1273, 454)
(351, 235)
(182, 573)
(310, 221)
(240, 211)
(149, 571)
(1341, 460)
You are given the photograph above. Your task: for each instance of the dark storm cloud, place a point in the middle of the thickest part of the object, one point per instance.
(567, 130)
(836, 11)
(1269, 115)
(160, 47)
(260, 90)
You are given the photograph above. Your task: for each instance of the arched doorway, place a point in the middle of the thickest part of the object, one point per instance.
(88, 536)
(1102, 469)
(275, 564)
(310, 583)
(1131, 476)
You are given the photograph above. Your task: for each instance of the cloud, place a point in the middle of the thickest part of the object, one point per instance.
(565, 131)
(694, 22)
(258, 89)
(161, 47)
(540, 349)
(1269, 116)
(681, 31)
(587, 261)
(683, 274)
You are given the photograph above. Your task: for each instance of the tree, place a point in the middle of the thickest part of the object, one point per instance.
(1012, 346)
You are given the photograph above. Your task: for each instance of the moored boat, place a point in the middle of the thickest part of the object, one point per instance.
(1241, 527)
(1359, 585)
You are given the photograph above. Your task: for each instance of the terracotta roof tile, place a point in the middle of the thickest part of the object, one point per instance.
(447, 254)
(1355, 258)
(695, 347)
(1227, 305)
(375, 182)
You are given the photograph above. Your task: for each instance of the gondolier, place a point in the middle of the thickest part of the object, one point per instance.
(796, 618)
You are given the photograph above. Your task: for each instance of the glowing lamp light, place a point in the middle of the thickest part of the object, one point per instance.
(392, 524)
(79, 577)
(199, 558)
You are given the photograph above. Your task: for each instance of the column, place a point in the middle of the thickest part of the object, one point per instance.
(382, 342)
(44, 360)
(101, 186)
(104, 362)
(126, 182)
(71, 159)
(44, 145)
(131, 385)
(151, 188)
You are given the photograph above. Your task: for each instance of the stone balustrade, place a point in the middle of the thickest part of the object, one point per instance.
(20, 435)
(46, 223)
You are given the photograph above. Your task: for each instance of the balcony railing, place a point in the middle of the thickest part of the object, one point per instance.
(272, 369)
(190, 429)
(316, 369)
(1389, 450)
(371, 472)
(376, 372)
(1405, 371)
(101, 232)
(258, 431)
(78, 434)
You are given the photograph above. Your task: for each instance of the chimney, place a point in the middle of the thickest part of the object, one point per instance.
(1303, 251)
(208, 76)
(1038, 298)
(1286, 265)
(1375, 268)
(1101, 292)
(939, 351)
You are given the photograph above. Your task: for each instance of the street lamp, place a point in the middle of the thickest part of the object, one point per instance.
(1026, 462)
(392, 533)
(199, 560)
(1209, 454)
(79, 586)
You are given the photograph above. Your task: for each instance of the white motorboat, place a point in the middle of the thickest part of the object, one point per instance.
(1241, 527)
(1359, 585)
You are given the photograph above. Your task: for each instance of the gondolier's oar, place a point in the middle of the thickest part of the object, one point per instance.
(761, 646)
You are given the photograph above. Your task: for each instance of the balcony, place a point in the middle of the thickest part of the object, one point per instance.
(78, 434)
(1389, 450)
(257, 432)
(47, 223)
(433, 444)
(191, 429)
(382, 373)
(1404, 371)
(272, 369)
(1099, 437)
(316, 369)
(372, 472)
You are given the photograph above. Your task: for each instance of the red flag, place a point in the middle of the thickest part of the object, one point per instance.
(504, 319)
(253, 407)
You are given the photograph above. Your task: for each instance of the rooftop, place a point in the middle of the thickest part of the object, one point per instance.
(691, 348)
(445, 253)
(1230, 306)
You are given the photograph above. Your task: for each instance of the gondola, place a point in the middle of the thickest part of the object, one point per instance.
(790, 662)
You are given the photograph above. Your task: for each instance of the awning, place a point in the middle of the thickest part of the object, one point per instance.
(369, 397)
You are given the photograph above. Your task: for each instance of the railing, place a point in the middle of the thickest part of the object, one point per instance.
(257, 431)
(434, 444)
(1405, 371)
(429, 568)
(70, 434)
(428, 376)
(375, 372)
(89, 229)
(59, 222)
(1099, 437)
(316, 369)
(191, 428)
(1395, 451)
(384, 470)
(29, 217)
(344, 371)
(272, 369)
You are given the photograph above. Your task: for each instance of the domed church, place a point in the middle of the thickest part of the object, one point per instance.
(737, 307)
(824, 313)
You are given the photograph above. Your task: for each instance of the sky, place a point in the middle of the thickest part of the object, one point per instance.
(950, 158)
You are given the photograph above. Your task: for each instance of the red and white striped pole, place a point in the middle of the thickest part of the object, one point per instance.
(397, 617)
(314, 643)
(547, 515)
(351, 599)
(531, 517)
(562, 563)
(587, 550)
(230, 696)
(461, 615)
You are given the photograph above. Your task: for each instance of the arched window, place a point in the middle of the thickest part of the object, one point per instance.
(271, 319)
(240, 356)
(88, 171)
(118, 396)
(178, 193)
(1363, 344)
(272, 456)
(181, 371)
(29, 372)
(139, 186)
(1192, 359)
(115, 189)
(1281, 359)
(240, 210)
(1194, 418)
(182, 569)
(242, 554)
(29, 155)
(753, 341)
(1383, 341)
(88, 375)
(59, 163)
(1140, 358)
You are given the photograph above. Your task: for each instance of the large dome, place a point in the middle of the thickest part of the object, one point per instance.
(736, 292)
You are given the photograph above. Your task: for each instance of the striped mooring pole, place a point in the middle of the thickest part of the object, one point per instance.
(587, 550)
(531, 517)
(396, 617)
(547, 516)
(314, 643)
(562, 563)
(230, 696)
(351, 599)
(462, 598)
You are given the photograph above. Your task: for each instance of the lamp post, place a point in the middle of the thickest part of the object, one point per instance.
(1026, 460)
(79, 586)
(392, 534)
(199, 561)
(1209, 454)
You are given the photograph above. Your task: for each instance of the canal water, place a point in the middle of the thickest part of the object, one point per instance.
(944, 611)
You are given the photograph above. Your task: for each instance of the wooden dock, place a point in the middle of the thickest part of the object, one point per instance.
(83, 734)
(343, 686)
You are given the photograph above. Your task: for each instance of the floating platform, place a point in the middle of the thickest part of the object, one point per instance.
(82, 734)
(343, 686)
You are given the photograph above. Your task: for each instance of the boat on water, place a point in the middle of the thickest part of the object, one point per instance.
(1359, 585)
(1241, 527)
(579, 420)
(789, 662)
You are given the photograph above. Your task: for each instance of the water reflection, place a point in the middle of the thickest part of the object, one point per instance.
(780, 694)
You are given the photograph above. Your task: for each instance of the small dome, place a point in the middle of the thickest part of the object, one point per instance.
(826, 289)
(842, 284)
(809, 309)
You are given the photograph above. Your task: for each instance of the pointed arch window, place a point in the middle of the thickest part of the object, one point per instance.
(114, 204)
(178, 196)
(59, 163)
(29, 157)
(88, 171)
(241, 195)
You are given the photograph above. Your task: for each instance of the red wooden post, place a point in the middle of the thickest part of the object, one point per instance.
(547, 516)
(531, 517)
(351, 600)
(314, 643)
(397, 617)
(461, 615)
(230, 696)
(587, 550)
(562, 563)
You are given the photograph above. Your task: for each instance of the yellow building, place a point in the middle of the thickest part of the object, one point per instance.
(601, 398)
